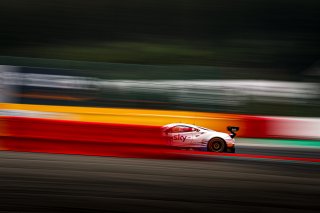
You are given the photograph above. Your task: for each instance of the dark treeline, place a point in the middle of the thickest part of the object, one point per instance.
(211, 22)
(58, 20)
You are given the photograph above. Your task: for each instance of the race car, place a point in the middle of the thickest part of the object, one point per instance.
(189, 136)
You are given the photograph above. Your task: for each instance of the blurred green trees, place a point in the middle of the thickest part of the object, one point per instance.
(282, 34)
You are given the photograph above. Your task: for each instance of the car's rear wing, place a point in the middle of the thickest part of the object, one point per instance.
(233, 130)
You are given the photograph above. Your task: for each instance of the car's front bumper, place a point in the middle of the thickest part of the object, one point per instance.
(230, 143)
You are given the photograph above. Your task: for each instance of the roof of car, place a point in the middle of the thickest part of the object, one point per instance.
(175, 124)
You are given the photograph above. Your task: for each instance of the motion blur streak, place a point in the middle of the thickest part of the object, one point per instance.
(217, 121)
(252, 156)
(104, 139)
(58, 136)
(58, 183)
(103, 77)
(251, 126)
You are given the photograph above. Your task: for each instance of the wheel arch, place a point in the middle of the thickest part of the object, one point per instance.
(219, 138)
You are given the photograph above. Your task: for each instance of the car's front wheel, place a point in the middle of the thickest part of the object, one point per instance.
(216, 145)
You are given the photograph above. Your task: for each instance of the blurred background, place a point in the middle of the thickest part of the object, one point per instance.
(253, 57)
(101, 77)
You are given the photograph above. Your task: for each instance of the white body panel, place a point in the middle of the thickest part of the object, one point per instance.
(191, 136)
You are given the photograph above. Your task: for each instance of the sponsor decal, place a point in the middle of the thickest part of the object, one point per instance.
(179, 137)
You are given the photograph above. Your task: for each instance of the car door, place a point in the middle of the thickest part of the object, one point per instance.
(181, 135)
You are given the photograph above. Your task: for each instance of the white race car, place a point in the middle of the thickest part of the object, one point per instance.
(195, 137)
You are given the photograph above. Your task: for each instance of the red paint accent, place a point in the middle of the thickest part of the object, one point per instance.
(255, 127)
(132, 151)
(82, 131)
(89, 148)
(87, 138)
(102, 139)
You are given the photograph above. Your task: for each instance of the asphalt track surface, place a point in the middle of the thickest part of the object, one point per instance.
(301, 152)
(38, 182)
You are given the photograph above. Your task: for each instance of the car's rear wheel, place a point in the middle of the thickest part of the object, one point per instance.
(216, 145)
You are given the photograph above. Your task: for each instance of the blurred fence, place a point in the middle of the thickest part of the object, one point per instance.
(105, 70)
(77, 87)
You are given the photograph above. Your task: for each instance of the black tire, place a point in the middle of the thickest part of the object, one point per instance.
(216, 145)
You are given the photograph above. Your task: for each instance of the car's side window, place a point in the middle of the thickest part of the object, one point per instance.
(176, 129)
(187, 129)
(173, 129)
(181, 129)
(195, 130)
